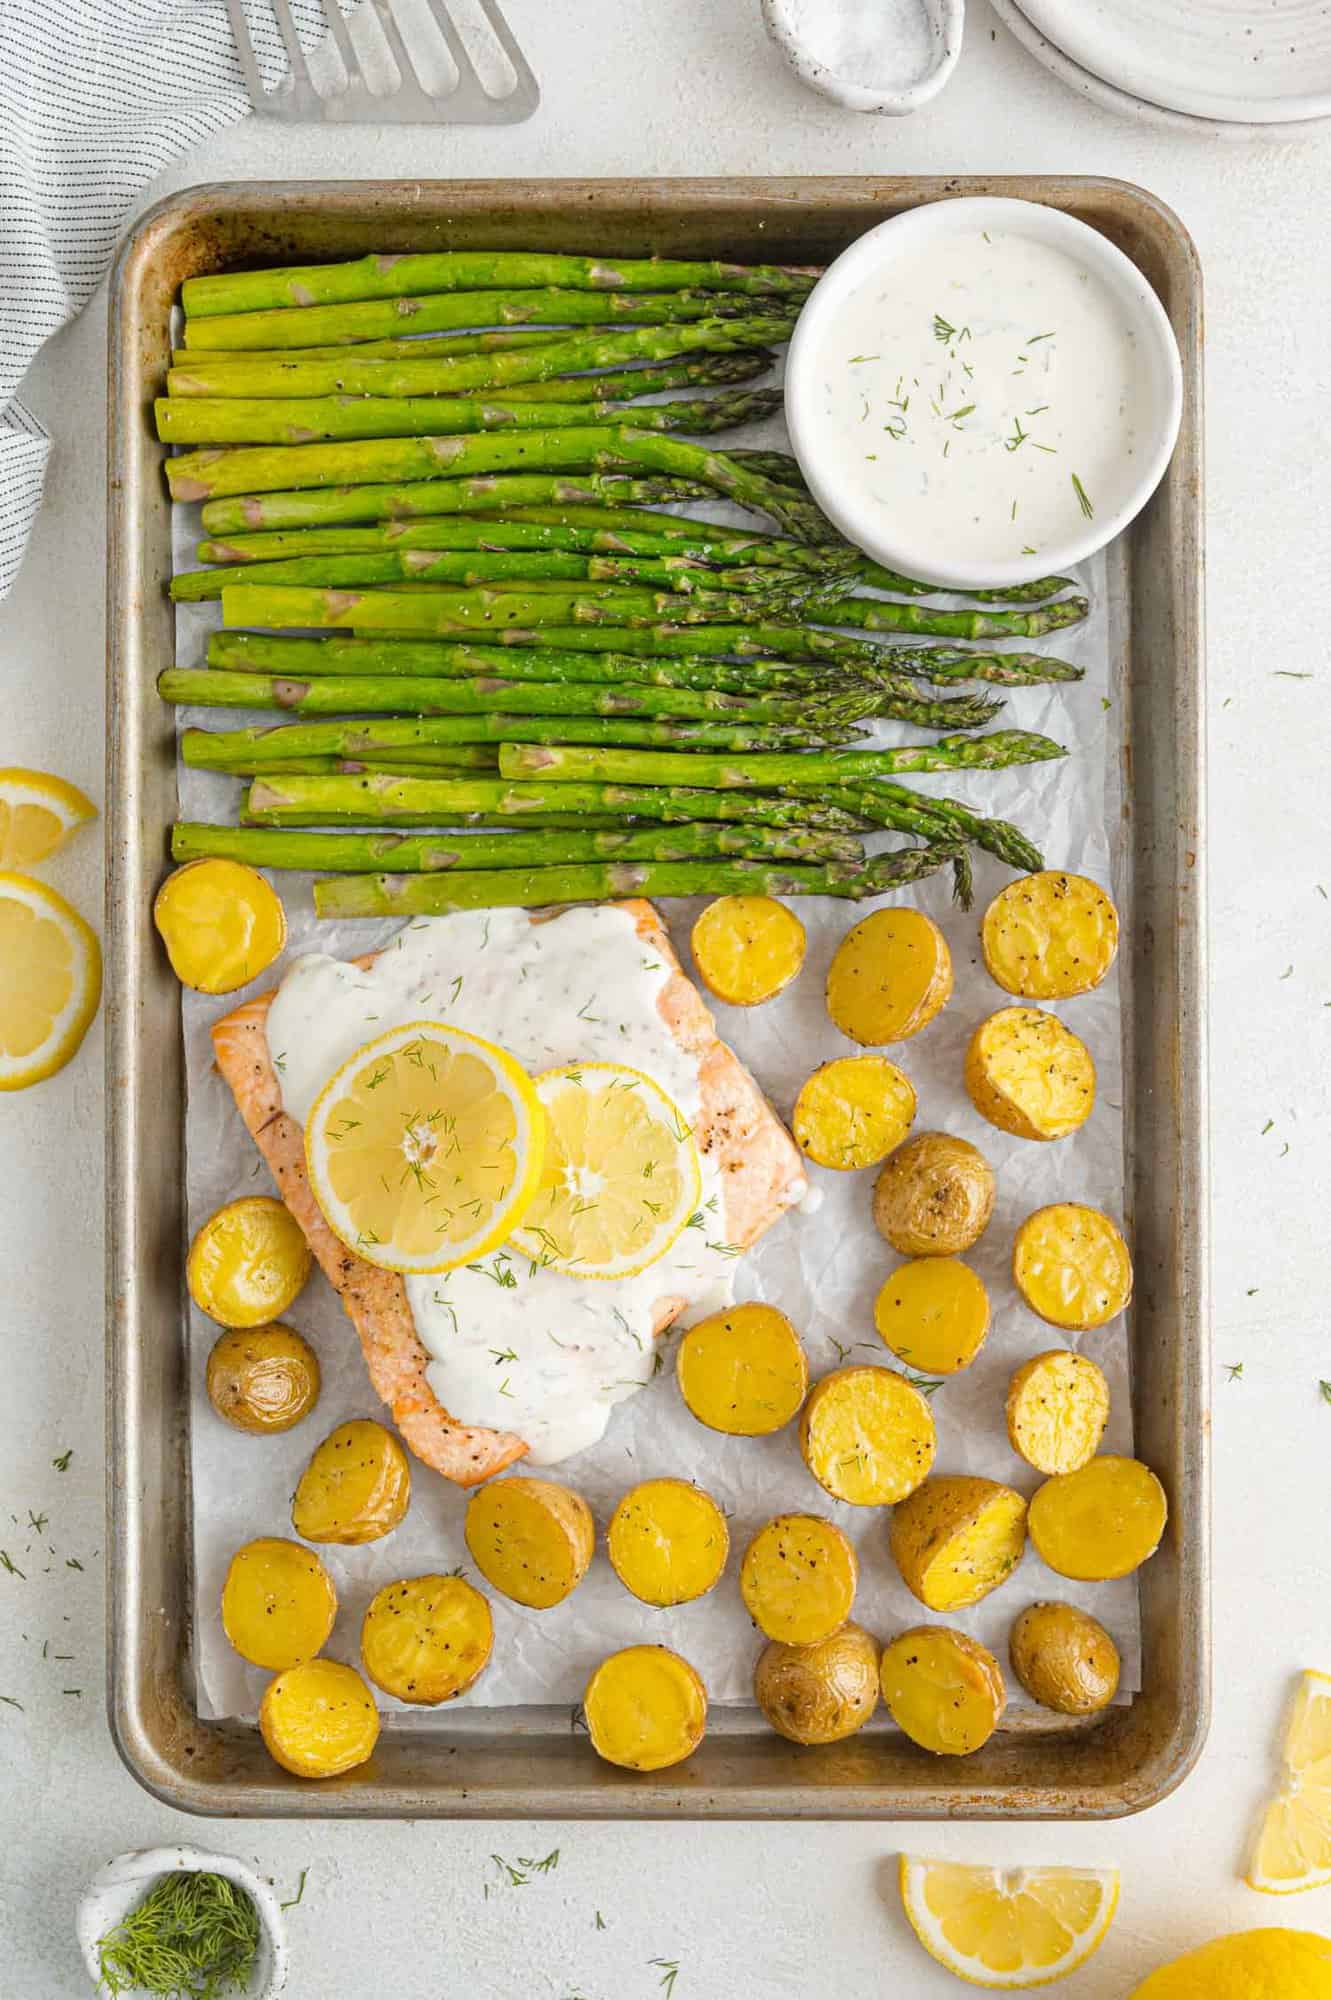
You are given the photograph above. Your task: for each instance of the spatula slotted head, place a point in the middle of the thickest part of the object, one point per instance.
(401, 62)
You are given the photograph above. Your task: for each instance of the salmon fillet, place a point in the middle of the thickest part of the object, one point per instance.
(736, 1130)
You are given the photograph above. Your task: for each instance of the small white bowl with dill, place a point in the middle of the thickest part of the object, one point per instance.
(178, 1920)
(983, 391)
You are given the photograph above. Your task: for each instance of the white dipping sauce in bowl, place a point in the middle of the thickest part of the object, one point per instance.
(982, 391)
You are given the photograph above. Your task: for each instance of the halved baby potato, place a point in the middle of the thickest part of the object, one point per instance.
(263, 1378)
(821, 1693)
(1100, 1522)
(531, 1538)
(852, 1112)
(867, 1435)
(743, 1371)
(221, 922)
(943, 1690)
(319, 1719)
(934, 1314)
(278, 1603)
(667, 1541)
(747, 948)
(1057, 1409)
(355, 1488)
(798, 1579)
(425, 1639)
(1029, 1075)
(889, 977)
(957, 1538)
(1071, 1266)
(645, 1709)
(1064, 1658)
(934, 1197)
(248, 1262)
(1050, 936)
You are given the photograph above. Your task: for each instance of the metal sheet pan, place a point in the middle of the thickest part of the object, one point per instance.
(532, 1763)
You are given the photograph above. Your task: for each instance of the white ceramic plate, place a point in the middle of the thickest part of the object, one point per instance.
(1230, 61)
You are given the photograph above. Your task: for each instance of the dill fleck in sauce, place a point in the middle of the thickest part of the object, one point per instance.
(984, 393)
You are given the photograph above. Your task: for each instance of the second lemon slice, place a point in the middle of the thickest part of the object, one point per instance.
(426, 1148)
(1008, 1928)
(621, 1173)
(1294, 1843)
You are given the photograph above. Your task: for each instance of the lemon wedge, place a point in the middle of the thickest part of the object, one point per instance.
(50, 981)
(1008, 1928)
(1293, 1848)
(621, 1173)
(426, 1148)
(38, 813)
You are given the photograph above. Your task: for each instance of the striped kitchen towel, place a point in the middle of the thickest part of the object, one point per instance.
(96, 96)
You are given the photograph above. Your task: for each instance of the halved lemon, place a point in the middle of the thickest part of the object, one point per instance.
(426, 1148)
(50, 981)
(38, 812)
(621, 1173)
(1008, 1928)
(1293, 1849)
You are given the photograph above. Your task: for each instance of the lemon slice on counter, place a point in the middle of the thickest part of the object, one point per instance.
(621, 1173)
(1008, 1928)
(38, 813)
(426, 1148)
(50, 981)
(1293, 1848)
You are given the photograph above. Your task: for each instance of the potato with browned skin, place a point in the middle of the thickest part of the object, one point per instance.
(820, 1693)
(355, 1488)
(262, 1379)
(934, 1196)
(1064, 1658)
(943, 1690)
(956, 1538)
(531, 1538)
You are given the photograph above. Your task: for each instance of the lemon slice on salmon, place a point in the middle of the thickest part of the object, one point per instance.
(50, 981)
(38, 812)
(425, 1149)
(1012, 1928)
(621, 1173)
(1294, 1841)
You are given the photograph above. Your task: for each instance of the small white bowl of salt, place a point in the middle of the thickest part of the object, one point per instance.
(887, 56)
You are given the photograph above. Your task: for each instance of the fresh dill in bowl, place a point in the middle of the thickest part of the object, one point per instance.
(193, 1937)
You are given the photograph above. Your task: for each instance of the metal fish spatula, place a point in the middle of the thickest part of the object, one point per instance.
(412, 66)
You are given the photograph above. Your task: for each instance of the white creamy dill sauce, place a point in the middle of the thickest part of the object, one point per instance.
(984, 393)
(519, 1348)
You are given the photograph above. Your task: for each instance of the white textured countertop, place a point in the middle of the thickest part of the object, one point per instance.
(693, 87)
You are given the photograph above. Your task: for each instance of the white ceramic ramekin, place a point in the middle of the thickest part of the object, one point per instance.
(126, 1881)
(897, 84)
(889, 542)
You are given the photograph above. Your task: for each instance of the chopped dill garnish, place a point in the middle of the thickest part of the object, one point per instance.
(292, 1901)
(669, 1974)
(926, 1384)
(942, 330)
(194, 1934)
(1083, 498)
(1234, 1370)
(1325, 1388)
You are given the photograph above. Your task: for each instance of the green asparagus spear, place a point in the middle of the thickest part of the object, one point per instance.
(367, 853)
(777, 465)
(370, 323)
(697, 539)
(498, 569)
(485, 342)
(413, 694)
(524, 888)
(650, 379)
(905, 811)
(873, 615)
(443, 612)
(551, 763)
(437, 498)
(396, 276)
(382, 798)
(1043, 587)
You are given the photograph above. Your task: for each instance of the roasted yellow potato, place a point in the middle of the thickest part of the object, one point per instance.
(355, 1488)
(1071, 1266)
(248, 1263)
(957, 1538)
(531, 1538)
(645, 1709)
(667, 1541)
(319, 1719)
(1064, 1658)
(798, 1579)
(934, 1314)
(934, 1197)
(890, 975)
(1057, 1409)
(262, 1378)
(743, 1371)
(425, 1639)
(1100, 1522)
(867, 1435)
(1049, 936)
(852, 1112)
(221, 922)
(278, 1603)
(747, 948)
(943, 1690)
(1029, 1075)
(820, 1693)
